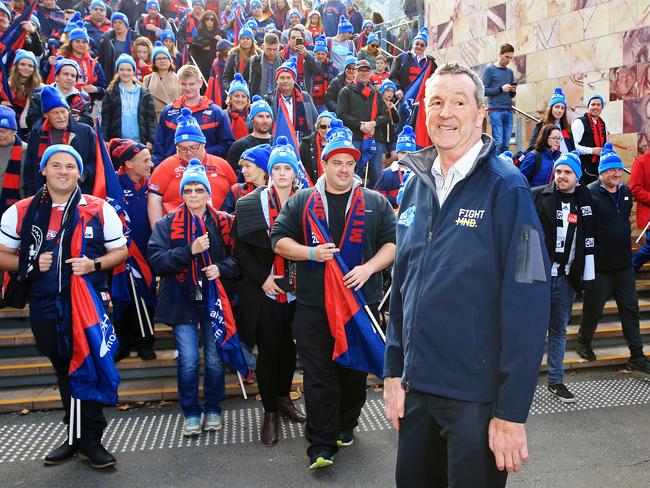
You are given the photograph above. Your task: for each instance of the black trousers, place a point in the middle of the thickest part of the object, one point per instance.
(93, 421)
(128, 329)
(444, 443)
(276, 352)
(622, 284)
(334, 396)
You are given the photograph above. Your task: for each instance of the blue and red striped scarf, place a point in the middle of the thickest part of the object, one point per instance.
(10, 193)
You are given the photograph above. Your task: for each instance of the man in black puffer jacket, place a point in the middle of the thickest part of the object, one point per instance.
(614, 272)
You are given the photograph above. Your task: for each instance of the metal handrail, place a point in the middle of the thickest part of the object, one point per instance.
(525, 114)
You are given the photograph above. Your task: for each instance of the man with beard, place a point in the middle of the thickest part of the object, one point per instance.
(590, 135)
(261, 118)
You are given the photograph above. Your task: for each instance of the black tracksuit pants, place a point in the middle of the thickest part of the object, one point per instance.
(93, 421)
(334, 396)
(128, 330)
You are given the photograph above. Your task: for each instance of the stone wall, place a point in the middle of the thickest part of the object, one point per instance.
(583, 46)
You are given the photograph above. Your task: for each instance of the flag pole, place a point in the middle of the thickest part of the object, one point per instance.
(375, 325)
(241, 385)
(365, 179)
(146, 315)
(383, 300)
(642, 232)
(137, 308)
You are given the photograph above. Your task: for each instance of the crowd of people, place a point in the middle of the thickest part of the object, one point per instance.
(268, 177)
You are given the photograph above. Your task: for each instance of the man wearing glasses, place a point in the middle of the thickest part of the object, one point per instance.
(164, 184)
(407, 66)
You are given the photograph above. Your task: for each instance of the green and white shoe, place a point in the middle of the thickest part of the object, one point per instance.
(322, 459)
(191, 426)
(212, 422)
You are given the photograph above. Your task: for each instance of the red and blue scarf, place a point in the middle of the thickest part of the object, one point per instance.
(10, 193)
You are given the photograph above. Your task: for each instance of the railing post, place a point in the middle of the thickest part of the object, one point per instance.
(519, 133)
(384, 33)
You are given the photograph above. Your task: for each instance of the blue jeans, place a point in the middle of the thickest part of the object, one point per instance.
(187, 343)
(642, 256)
(374, 165)
(501, 122)
(562, 296)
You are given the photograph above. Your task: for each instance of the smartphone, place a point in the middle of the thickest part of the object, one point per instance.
(300, 41)
(285, 283)
(514, 83)
(74, 111)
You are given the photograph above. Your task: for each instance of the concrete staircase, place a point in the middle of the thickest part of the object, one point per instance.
(27, 380)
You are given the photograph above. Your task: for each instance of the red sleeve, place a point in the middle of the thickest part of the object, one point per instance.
(639, 180)
(159, 179)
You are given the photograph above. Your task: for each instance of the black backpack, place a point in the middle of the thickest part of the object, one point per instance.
(519, 157)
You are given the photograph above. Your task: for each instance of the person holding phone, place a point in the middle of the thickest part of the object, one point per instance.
(305, 61)
(266, 296)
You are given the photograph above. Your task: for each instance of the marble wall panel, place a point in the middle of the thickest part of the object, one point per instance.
(445, 34)
(558, 7)
(536, 10)
(547, 33)
(525, 42)
(595, 21)
(643, 79)
(468, 54)
(515, 14)
(623, 15)
(571, 28)
(440, 11)
(470, 27)
(642, 143)
(559, 61)
(609, 51)
(496, 19)
(518, 67)
(636, 46)
(537, 66)
(626, 146)
(526, 98)
(643, 12)
(636, 115)
(613, 116)
(487, 49)
(595, 82)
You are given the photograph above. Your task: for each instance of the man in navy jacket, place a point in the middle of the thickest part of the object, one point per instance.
(470, 301)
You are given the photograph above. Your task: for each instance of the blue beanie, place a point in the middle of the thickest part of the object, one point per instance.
(609, 159)
(258, 155)
(599, 97)
(258, 106)
(572, 160)
(78, 33)
(97, 3)
(152, 4)
(124, 58)
(288, 66)
(366, 24)
(74, 22)
(558, 97)
(252, 23)
(344, 26)
(293, 12)
(51, 98)
(325, 114)
(8, 118)
(255, 4)
(423, 35)
(195, 173)
(61, 62)
(320, 45)
(350, 60)
(158, 50)
(58, 148)
(120, 16)
(283, 153)
(386, 84)
(202, 2)
(224, 44)
(187, 128)
(339, 140)
(34, 20)
(373, 38)
(406, 140)
(22, 54)
(246, 32)
(239, 84)
(5, 9)
(167, 34)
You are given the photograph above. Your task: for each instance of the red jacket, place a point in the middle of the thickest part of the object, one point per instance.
(640, 186)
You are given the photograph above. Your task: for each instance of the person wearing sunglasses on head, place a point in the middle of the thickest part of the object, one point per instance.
(407, 66)
(311, 147)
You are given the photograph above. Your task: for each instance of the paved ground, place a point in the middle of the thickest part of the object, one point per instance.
(600, 442)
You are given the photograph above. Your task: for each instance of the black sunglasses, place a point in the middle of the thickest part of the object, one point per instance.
(323, 126)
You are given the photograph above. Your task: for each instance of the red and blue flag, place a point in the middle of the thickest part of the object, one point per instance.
(282, 127)
(93, 375)
(357, 344)
(414, 96)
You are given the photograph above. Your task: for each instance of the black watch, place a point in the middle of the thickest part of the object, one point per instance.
(98, 264)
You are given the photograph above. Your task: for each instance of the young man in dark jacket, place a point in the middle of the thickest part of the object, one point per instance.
(465, 217)
(116, 41)
(614, 272)
(363, 110)
(334, 394)
(259, 70)
(344, 78)
(58, 127)
(565, 211)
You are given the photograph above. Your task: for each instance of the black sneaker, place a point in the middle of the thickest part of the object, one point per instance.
(562, 393)
(345, 439)
(585, 352)
(322, 459)
(641, 363)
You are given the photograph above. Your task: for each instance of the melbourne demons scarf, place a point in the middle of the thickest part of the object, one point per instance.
(279, 263)
(87, 74)
(299, 112)
(45, 139)
(238, 123)
(10, 185)
(300, 62)
(319, 150)
(351, 244)
(598, 132)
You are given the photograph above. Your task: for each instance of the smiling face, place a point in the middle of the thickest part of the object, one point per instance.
(565, 178)
(61, 173)
(554, 139)
(141, 165)
(238, 101)
(263, 122)
(125, 72)
(611, 178)
(558, 111)
(25, 68)
(285, 82)
(454, 120)
(595, 107)
(66, 78)
(339, 172)
(79, 47)
(190, 87)
(162, 63)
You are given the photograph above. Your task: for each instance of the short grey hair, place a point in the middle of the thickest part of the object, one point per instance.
(461, 69)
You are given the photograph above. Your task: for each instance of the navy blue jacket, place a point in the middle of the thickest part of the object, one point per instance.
(175, 302)
(470, 297)
(544, 173)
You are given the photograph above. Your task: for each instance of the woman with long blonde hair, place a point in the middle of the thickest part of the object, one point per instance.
(24, 78)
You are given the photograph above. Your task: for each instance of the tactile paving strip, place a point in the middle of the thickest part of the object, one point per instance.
(147, 431)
